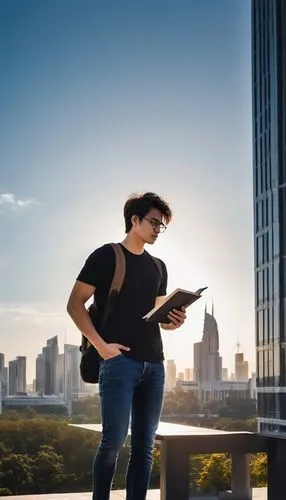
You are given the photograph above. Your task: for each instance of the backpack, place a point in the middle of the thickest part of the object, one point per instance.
(90, 358)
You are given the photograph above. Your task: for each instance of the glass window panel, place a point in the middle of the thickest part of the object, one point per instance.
(275, 207)
(270, 245)
(266, 247)
(270, 273)
(276, 361)
(260, 250)
(266, 284)
(276, 321)
(270, 322)
(260, 326)
(276, 242)
(259, 213)
(266, 373)
(266, 207)
(271, 363)
(265, 327)
(260, 365)
(276, 278)
(260, 286)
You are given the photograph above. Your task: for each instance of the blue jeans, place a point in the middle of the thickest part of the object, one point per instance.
(128, 388)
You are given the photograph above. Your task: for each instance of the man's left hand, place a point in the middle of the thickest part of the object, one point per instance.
(177, 318)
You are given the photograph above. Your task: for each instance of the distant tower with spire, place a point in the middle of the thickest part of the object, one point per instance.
(207, 361)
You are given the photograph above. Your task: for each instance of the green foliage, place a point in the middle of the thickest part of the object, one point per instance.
(67, 459)
(185, 403)
(86, 410)
(180, 402)
(216, 473)
(16, 472)
(4, 451)
(258, 468)
(48, 469)
(4, 492)
(49, 412)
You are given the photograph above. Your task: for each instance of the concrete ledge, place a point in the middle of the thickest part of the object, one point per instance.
(258, 494)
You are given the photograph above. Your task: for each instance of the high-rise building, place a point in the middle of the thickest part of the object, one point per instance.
(21, 374)
(72, 381)
(17, 376)
(225, 374)
(2, 362)
(50, 355)
(59, 373)
(3, 376)
(269, 173)
(60, 387)
(241, 367)
(189, 374)
(40, 374)
(207, 361)
(171, 374)
(12, 368)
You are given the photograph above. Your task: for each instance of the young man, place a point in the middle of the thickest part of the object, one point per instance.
(131, 377)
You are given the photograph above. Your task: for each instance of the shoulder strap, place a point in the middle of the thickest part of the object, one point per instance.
(159, 265)
(120, 268)
(117, 280)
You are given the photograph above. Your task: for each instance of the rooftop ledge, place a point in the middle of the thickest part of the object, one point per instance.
(178, 442)
(258, 494)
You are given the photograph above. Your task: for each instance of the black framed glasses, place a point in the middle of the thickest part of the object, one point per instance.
(157, 225)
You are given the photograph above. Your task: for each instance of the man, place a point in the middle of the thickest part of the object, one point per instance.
(131, 376)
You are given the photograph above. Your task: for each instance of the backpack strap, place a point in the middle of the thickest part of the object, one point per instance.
(117, 280)
(159, 266)
(115, 287)
(120, 269)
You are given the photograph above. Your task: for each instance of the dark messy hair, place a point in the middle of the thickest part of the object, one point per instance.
(141, 204)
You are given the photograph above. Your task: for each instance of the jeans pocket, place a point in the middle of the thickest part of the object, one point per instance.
(114, 358)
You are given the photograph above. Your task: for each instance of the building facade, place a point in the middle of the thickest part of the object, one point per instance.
(207, 361)
(40, 374)
(269, 174)
(72, 380)
(171, 374)
(241, 367)
(217, 391)
(17, 376)
(3, 376)
(50, 355)
(189, 374)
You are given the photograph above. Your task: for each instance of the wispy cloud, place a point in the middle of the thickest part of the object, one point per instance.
(9, 201)
(36, 314)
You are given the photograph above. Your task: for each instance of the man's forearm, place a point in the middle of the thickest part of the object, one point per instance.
(80, 317)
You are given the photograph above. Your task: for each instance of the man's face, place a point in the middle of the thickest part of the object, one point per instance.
(150, 227)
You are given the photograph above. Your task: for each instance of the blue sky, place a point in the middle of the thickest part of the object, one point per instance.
(99, 99)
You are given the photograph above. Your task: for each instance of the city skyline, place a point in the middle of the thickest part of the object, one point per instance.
(98, 102)
(207, 363)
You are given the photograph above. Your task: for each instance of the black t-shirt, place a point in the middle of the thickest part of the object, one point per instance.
(141, 286)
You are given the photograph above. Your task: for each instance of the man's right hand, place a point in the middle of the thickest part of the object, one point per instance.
(112, 350)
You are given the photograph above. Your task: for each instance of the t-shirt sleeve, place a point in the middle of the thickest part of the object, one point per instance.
(97, 265)
(164, 281)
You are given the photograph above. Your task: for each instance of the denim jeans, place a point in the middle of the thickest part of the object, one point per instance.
(127, 389)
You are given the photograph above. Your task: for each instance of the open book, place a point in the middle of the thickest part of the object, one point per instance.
(179, 298)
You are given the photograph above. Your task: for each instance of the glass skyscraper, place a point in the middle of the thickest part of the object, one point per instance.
(269, 169)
